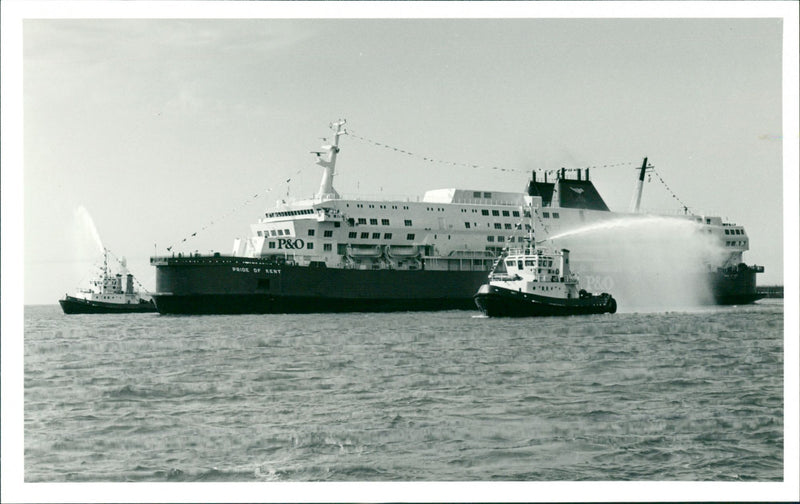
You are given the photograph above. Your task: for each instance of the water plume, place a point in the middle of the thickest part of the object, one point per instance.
(646, 262)
(86, 228)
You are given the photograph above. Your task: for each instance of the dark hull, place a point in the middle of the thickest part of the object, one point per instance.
(209, 285)
(499, 302)
(72, 306)
(222, 285)
(737, 285)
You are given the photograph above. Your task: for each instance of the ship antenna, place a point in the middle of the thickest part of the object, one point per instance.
(327, 159)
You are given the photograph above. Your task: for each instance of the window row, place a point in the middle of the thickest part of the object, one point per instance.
(501, 238)
(290, 213)
(498, 213)
(375, 236)
(385, 207)
(734, 231)
(275, 232)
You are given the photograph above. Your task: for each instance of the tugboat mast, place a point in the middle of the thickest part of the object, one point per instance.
(327, 159)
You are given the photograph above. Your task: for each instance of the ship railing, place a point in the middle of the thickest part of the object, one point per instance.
(504, 277)
(215, 259)
(490, 202)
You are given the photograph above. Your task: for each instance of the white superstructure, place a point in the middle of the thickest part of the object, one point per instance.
(453, 229)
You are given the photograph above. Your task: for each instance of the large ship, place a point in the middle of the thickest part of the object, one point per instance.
(332, 254)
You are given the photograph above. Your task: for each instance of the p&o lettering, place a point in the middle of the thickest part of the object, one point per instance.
(288, 243)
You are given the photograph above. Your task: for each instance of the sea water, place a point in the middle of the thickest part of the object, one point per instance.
(693, 395)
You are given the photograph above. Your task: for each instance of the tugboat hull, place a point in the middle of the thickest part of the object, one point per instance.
(72, 305)
(499, 302)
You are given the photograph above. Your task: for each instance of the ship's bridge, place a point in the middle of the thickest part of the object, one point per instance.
(473, 197)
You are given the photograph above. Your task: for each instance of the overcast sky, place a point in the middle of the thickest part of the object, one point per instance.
(159, 127)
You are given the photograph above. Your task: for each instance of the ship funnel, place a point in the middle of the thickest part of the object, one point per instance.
(129, 284)
(326, 158)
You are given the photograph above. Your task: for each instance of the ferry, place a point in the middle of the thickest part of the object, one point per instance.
(107, 295)
(334, 254)
(535, 281)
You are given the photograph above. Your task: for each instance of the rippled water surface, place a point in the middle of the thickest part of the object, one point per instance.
(448, 396)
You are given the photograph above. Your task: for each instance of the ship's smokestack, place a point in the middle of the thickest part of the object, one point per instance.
(129, 284)
(637, 195)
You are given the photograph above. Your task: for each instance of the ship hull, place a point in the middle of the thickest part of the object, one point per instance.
(234, 285)
(228, 285)
(72, 306)
(733, 286)
(496, 301)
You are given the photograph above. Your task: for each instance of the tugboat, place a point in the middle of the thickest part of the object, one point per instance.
(106, 295)
(534, 281)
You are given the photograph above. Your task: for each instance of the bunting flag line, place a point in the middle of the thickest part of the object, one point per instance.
(235, 209)
(671, 192)
(119, 261)
(429, 159)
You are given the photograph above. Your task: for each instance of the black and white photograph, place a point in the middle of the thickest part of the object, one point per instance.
(399, 251)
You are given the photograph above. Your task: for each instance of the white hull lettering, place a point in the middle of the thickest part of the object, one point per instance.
(267, 271)
(598, 282)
